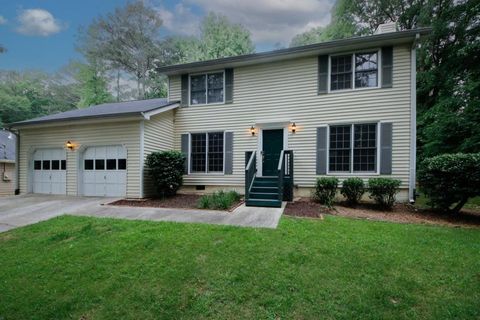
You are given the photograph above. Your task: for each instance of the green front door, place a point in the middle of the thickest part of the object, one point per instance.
(272, 147)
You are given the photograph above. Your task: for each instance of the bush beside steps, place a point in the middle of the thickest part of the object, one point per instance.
(219, 200)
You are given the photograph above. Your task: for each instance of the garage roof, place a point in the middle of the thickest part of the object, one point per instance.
(116, 109)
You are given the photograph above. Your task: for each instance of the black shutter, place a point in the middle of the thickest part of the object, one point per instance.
(387, 67)
(229, 85)
(228, 152)
(322, 74)
(322, 150)
(386, 148)
(185, 151)
(184, 99)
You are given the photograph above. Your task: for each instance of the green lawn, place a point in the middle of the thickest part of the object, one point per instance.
(74, 267)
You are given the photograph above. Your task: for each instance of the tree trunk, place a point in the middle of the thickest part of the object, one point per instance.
(459, 206)
(118, 85)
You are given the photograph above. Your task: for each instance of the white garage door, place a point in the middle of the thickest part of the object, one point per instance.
(105, 171)
(49, 171)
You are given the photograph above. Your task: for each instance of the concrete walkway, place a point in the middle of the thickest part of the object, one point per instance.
(23, 210)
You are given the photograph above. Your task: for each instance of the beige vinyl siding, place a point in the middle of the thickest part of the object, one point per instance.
(287, 91)
(7, 188)
(158, 136)
(125, 133)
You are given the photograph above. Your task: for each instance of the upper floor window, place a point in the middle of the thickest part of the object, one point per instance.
(351, 71)
(207, 88)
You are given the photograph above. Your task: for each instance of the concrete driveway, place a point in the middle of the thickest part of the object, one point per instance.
(20, 211)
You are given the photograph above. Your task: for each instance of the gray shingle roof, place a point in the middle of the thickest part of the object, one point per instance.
(127, 108)
(7, 152)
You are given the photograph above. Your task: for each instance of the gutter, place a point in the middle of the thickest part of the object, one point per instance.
(413, 121)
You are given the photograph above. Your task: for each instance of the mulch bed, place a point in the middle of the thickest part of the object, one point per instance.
(402, 213)
(179, 201)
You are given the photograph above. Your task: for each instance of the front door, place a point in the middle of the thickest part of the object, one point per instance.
(272, 147)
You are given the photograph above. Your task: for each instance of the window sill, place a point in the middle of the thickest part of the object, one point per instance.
(352, 90)
(352, 174)
(206, 104)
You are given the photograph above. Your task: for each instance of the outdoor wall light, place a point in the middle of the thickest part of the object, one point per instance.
(294, 127)
(69, 145)
(252, 130)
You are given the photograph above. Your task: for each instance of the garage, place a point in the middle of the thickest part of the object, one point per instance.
(105, 171)
(49, 171)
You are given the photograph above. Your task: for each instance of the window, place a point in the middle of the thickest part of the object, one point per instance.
(366, 70)
(340, 148)
(37, 165)
(341, 72)
(122, 164)
(207, 88)
(55, 164)
(64, 164)
(364, 73)
(99, 164)
(365, 147)
(46, 165)
(206, 152)
(359, 148)
(111, 164)
(88, 164)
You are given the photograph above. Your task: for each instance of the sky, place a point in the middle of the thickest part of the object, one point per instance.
(41, 34)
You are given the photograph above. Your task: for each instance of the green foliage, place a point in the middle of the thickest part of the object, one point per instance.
(383, 191)
(166, 171)
(25, 95)
(219, 38)
(219, 200)
(450, 180)
(341, 26)
(92, 84)
(325, 190)
(353, 190)
(149, 270)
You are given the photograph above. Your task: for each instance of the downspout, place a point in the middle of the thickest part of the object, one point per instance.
(142, 158)
(413, 120)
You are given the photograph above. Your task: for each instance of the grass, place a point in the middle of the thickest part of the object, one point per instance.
(219, 200)
(337, 268)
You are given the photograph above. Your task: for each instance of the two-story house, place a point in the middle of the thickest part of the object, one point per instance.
(265, 124)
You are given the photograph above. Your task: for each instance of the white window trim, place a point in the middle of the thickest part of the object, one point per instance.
(351, 172)
(206, 88)
(206, 172)
(352, 53)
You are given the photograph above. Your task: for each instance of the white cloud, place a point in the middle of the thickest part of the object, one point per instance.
(2, 20)
(38, 22)
(273, 21)
(269, 21)
(181, 20)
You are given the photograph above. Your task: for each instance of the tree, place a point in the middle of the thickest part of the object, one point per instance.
(127, 39)
(25, 95)
(91, 84)
(341, 26)
(219, 38)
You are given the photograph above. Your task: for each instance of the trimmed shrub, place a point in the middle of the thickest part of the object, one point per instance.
(383, 191)
(325, 190)
(166, 171)
(219, 200)
(449, 180)
(353, 190)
